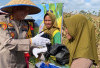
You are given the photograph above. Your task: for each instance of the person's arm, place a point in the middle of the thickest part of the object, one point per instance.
(57, 38)
(20, 44)
(13, 44)
(8, 42)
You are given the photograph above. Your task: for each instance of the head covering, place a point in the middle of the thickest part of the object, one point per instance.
(54, 25)
(29, 18)
(33, 9)
(83, 45)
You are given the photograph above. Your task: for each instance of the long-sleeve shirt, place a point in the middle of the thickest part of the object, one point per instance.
(13, 43)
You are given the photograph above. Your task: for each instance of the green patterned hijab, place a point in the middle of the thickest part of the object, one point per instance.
(83, 33)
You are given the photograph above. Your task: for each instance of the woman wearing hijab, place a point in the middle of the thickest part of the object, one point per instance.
(51, 27)
(81, 41)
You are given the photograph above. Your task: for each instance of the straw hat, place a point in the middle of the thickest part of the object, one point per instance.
(33, 9)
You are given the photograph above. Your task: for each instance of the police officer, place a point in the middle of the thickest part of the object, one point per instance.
(13, 31)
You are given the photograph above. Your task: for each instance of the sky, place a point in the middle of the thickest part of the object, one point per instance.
(69, 5)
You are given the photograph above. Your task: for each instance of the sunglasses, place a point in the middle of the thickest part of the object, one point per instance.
(49, 11)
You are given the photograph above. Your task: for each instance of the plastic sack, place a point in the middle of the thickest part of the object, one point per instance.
(43, 65)
(59, 51)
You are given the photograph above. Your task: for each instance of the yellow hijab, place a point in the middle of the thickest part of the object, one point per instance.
(83, 33)
(54, 25)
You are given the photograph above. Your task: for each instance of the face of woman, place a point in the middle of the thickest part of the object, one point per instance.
(48, 22)
(68, 36)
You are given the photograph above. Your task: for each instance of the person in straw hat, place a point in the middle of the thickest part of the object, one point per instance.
(13, 31)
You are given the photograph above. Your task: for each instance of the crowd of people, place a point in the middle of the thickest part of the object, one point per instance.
(15, 46)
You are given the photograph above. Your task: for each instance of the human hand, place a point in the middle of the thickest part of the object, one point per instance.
(39, 41)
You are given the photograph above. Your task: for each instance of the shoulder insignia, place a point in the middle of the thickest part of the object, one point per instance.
(3, 25)
(10, 24)
(12, 34)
